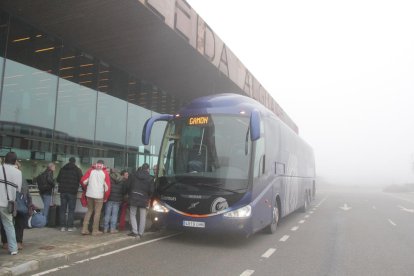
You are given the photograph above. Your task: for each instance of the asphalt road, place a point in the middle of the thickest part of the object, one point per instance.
(347, 231)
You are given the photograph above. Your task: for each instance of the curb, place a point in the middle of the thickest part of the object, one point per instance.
(61, 259)
(21, 268)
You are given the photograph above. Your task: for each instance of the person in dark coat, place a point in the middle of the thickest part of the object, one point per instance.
(118, 191)
(46, 194)
(124, 204)
(68, 179)
(140, 190)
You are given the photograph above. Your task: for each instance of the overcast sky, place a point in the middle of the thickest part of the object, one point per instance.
(342, 70)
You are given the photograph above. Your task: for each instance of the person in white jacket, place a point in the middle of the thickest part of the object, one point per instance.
(97, 183)
(12, 177)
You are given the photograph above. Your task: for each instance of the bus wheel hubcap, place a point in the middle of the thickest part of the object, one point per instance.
(275, 215)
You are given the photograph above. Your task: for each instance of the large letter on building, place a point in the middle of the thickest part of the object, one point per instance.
(223, 64)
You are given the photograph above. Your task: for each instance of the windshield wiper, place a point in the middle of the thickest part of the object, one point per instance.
(201, 143)
(246, 144)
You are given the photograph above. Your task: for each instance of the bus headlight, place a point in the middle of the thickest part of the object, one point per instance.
(243, 212)
(158, 207)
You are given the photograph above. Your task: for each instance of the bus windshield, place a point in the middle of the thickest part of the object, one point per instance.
(206, 151)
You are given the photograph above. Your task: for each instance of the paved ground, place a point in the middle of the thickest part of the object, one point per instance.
(346, 231)
(48, 247)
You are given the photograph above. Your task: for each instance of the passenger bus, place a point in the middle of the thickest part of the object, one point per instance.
(227, 164)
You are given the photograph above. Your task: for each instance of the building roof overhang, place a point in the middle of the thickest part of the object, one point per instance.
(162, 42)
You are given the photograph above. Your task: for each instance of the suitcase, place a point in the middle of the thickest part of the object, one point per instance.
(53, 216)
(124, 207)
(53, 219)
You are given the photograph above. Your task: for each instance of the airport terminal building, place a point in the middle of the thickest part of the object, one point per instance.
(79, 78)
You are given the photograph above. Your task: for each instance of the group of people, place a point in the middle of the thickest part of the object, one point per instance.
(102, 187)
(110, 188)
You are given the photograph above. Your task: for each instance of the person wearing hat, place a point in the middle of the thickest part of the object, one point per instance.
(68, 179)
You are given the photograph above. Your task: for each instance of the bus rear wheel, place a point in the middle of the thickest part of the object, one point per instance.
(306, 203)
(271, 228)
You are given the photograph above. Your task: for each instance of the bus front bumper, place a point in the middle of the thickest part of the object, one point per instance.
(213, 224)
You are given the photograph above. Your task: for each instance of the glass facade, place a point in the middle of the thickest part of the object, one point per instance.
(57, 102)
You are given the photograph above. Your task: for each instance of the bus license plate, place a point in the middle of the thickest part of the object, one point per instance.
(198, 224)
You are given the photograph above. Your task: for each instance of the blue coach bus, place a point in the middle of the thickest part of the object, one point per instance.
(228, 164)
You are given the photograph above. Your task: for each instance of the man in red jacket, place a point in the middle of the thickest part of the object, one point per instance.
(97, 184)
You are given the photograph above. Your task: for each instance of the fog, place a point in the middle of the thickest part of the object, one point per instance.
(342, 70)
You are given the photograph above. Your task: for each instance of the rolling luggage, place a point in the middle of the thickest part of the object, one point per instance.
(53, 217)
(53, 220)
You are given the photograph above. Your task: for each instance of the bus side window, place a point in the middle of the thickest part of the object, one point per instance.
(280, 168)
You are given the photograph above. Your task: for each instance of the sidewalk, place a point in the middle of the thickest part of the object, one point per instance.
(45, 248)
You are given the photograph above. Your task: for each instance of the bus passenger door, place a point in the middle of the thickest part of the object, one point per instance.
(262, 189)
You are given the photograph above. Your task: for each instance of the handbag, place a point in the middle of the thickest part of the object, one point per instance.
(21, 202)
(11, 207)
(84, 199)
(11, 204)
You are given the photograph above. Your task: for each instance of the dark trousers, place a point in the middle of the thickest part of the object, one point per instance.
(20, 222)
(67, 201)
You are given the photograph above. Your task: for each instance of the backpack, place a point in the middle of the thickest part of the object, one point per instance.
(42, 183)
(22, 203)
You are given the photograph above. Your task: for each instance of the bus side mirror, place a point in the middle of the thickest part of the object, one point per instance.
(146, 131)
(255, 125)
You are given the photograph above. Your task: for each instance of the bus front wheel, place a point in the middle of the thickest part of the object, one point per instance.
(271, 228)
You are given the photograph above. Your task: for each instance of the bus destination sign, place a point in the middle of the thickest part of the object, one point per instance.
(199, 120)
